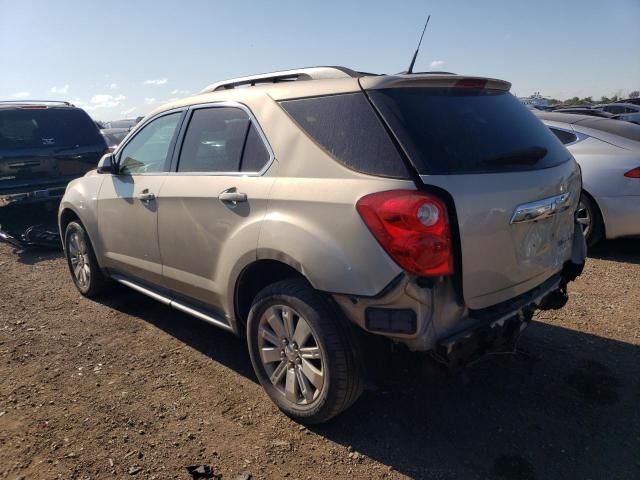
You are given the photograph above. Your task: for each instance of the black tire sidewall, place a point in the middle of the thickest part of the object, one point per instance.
(322, 327)
(595, 233)
(95, 283)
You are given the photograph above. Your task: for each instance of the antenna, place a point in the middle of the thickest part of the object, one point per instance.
(415, 55)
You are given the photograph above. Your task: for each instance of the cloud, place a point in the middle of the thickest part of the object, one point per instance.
(150, 101)
(62, 90)
(113, 86)
(158, 81)
(20, 95)
(128, 111)
(103, 100)
(437, 64)
(180, 92)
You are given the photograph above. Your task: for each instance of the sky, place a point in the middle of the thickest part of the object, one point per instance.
(120, 59)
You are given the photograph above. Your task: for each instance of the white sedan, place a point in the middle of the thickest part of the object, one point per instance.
(608, 152)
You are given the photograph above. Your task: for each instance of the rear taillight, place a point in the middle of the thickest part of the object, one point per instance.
(634, 173)
(412, 227)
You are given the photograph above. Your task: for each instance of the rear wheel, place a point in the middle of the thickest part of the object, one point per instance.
(85, 271)
(303, 352)
(589, 218)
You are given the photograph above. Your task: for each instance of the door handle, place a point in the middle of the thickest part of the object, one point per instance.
(146, 196)
(232, 196)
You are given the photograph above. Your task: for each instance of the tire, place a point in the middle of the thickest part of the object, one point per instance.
(588, 215)
(328, 334)
(83, 266)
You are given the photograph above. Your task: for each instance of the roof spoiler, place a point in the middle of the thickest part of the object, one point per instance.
(434, 80)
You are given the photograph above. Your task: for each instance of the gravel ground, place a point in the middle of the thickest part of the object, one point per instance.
(128, 388)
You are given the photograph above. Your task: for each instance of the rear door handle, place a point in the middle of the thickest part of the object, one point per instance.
(232, 196)
(146, 196)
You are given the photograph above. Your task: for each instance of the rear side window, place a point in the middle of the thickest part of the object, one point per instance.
(221, 140)
(564, 136)
(47, 127)
(347, 127)
(255, 154)
(456, 131)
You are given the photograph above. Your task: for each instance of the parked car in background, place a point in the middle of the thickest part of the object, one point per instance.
(623, 111)
(593, 112)
(113, 136)
(309, 210)
(634, 101)
(43, 146)
(608, 152)
(127, 123)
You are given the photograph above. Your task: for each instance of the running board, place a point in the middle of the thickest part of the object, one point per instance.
(173, 303)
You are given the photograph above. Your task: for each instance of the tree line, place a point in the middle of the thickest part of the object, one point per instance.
(590, 100)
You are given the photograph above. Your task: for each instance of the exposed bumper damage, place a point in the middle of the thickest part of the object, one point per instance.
(456, 334)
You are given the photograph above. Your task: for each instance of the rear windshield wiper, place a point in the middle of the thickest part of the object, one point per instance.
(525, 156)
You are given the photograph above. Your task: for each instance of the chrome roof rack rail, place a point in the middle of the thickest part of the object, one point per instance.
(311, 73)
(31, 102)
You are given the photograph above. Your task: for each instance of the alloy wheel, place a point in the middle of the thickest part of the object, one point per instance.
(291, 355)
(583, 217)
(79, 258)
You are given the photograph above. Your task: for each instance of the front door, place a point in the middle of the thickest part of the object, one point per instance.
(128, 201)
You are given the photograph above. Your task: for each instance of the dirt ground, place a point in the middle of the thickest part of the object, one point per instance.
(128, 388)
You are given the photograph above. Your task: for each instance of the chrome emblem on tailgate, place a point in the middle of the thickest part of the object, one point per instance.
(540, 209)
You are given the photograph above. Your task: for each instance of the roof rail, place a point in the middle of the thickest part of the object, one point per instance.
(30, 102)
(310, 73)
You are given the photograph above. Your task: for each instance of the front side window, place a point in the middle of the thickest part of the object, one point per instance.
(148, 151)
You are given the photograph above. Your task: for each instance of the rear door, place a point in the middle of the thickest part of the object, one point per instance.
(212, 204)
(514, 186)
(128, 201)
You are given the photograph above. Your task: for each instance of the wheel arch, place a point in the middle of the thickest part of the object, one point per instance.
(256, 276)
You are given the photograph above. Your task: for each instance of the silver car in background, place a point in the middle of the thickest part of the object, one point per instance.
(608, 152)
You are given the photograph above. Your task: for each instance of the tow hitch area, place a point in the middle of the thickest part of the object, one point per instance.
(464, 348)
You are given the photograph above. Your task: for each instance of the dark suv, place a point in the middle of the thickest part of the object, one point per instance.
(43, 146)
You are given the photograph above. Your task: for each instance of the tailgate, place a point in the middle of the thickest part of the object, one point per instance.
(473, 139)
(503, 257)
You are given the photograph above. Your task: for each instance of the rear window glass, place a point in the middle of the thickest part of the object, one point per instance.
(451, 131)
(51, 127)
(347, 127)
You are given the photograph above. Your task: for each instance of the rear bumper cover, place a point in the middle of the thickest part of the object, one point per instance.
(457, 333)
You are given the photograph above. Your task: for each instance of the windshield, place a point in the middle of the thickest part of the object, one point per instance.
(48, 127)
(447, 131)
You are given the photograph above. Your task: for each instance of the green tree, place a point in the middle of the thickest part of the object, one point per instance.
(634, 94)
(604, 99)
(614, 98)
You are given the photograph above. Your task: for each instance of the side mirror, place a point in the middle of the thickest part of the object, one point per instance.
(107, 164)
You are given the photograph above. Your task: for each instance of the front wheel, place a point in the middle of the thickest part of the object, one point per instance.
(303, 352)
(85, 271)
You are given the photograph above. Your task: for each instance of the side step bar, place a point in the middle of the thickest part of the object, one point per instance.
(173, 303)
